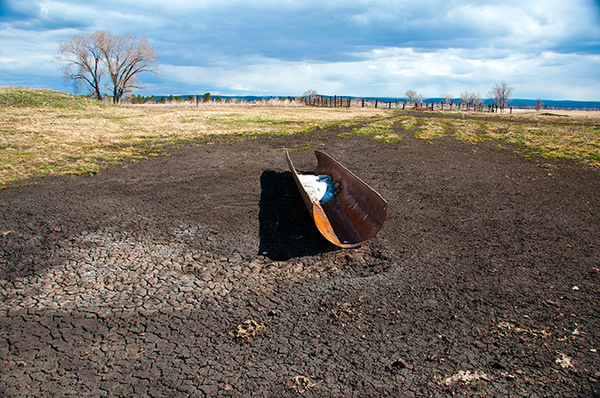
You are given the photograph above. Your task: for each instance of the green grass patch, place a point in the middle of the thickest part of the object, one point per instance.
(577, 139)
(430, 129)
(381, 129)
(38, 98)
(303, 147)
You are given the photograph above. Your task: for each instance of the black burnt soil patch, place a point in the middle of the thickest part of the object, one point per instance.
(201, 274)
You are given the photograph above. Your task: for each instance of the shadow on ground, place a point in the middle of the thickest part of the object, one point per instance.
(286, 228)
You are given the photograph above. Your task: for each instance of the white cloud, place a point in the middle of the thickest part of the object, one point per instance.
(392, 71)
(363, 47)
(28, 51)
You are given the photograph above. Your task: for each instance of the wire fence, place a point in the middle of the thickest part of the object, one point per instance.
(338, 102)
(335, 101)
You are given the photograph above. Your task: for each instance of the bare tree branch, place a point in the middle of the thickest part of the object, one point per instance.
(125, 58)
(83, 57)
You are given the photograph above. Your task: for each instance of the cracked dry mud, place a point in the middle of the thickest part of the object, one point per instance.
(201, 274)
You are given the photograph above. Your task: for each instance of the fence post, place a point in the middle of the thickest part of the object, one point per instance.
(363, 102)
(376, 102)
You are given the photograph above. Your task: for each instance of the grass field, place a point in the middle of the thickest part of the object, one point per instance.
(44, 132)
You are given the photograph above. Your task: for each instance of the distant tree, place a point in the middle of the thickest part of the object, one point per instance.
(500, 94)
(411, 96)
(447, 99)
(206, 97)
(310, 93)
(470, 98)
(538, 104)
(466, 98)
(122, 58)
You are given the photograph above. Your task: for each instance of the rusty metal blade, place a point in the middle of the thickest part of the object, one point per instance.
(354, 215)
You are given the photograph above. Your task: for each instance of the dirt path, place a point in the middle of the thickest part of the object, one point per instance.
(202, 274)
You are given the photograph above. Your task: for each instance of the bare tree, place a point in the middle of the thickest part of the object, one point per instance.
(310, 93)
(411, 96)
(123, 58)
(470, 98)
(83, 56)
(466, 98)
(538, 104)
(500, 94)
(447, 99)
(126, 57)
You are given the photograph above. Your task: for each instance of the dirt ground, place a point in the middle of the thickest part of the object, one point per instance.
(201, 274)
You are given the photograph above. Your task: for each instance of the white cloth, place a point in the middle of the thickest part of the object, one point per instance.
(320, 188)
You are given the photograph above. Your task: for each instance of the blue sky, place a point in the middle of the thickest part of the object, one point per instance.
(546, 49)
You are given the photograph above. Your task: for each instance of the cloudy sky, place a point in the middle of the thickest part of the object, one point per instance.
(543, 49)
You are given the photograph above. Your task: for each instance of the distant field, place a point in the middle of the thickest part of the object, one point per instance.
(44, 132)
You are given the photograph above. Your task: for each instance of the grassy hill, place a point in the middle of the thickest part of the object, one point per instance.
(38, 98)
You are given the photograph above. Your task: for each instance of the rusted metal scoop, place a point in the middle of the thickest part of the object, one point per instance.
(351, 213)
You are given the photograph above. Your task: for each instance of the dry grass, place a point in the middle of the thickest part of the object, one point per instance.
(46, 133)
(575, 114)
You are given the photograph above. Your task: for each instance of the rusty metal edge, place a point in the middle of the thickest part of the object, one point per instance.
(319, 215)
(315, 209)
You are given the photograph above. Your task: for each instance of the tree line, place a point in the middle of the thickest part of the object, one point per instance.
(499, 95)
